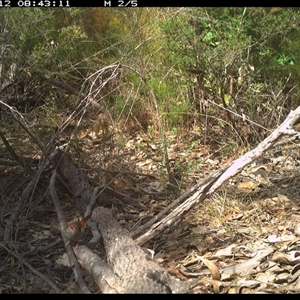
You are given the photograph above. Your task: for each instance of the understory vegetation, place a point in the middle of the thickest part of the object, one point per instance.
(147, 101)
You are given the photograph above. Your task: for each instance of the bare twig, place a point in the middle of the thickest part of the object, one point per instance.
(31, 268)
(47, 280)
(201, 185)
(63, 224)
(92, 204)
(26, 196)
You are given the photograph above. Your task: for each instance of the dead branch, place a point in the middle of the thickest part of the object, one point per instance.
(82, 96)
(79, 184)
(19, 160)
(133, 266)
(22, 260)
(203, 184)
(17, 216)
(103, 274)
(62, 222)
(286, 128)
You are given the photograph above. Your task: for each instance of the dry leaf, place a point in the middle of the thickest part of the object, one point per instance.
(247, 186)
(214, 270)
(273, 238)
(247, 267)
(224, 252)
(290, 258)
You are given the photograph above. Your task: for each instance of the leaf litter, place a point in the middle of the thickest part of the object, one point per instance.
(245, 238)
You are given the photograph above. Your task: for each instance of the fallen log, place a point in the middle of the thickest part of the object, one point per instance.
(137, 273)
(134, 270)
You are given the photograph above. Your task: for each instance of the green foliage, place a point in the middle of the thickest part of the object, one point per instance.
(174, 59)
(57, 42)
(243, 53)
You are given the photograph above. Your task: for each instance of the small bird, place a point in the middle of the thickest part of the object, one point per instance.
(74, 230)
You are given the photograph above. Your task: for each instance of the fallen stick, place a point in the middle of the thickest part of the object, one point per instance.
(158, 224)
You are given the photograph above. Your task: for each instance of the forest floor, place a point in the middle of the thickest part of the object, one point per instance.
(245, 238)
